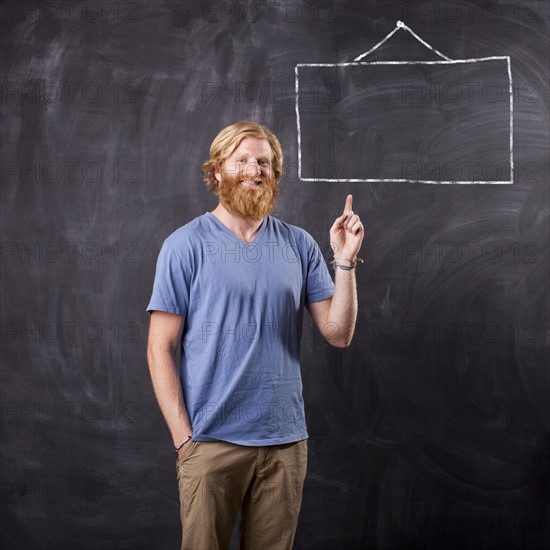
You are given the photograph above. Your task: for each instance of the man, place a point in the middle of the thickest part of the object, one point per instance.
(229, 292)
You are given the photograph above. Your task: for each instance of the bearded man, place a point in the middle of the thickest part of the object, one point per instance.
(229, 293)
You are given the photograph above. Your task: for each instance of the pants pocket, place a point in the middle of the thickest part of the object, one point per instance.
(190, 447)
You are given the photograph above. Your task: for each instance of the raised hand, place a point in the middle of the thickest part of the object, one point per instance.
(346, 233)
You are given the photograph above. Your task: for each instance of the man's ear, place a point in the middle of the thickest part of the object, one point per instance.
(217, 173)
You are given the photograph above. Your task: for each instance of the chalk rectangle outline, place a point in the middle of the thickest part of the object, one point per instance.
(405, 180)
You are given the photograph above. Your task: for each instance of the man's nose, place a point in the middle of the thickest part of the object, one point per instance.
(253, 169)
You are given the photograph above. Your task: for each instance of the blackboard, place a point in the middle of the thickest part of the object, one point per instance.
(431, 429)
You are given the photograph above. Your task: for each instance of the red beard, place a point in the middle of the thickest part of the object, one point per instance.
(249, 203)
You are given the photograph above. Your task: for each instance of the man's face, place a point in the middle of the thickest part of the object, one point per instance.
(247, 188)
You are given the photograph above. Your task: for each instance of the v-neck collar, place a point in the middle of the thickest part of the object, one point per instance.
(227, 231)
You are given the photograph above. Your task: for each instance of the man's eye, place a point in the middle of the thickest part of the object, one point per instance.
(262, 162)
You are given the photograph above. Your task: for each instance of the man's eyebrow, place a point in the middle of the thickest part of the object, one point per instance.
(261, 157)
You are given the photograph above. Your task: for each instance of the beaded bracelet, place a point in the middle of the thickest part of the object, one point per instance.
(353, 264)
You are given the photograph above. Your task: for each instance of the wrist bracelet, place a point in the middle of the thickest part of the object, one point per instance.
(353, 264)
(182, 443)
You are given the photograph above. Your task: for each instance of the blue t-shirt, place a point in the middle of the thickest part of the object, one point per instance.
(243, 307)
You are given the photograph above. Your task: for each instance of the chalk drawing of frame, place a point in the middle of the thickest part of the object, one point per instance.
(445, 60)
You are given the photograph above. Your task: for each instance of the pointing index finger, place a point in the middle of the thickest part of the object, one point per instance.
(349, 200)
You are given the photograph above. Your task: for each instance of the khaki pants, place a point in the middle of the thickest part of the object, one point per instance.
(217, 479)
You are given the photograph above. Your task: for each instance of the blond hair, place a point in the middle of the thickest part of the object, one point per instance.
(229, 139)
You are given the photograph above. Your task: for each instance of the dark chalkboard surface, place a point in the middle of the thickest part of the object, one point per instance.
(431, 429)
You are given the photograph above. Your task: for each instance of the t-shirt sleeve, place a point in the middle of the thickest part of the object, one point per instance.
(319, 284)
(171, 284)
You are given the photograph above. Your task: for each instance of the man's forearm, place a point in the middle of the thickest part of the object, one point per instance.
(342, 314)
(167, 386)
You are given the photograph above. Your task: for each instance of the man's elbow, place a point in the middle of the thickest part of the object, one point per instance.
(150, 357)
(341, 344)
(338, 338)
(158, 354)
